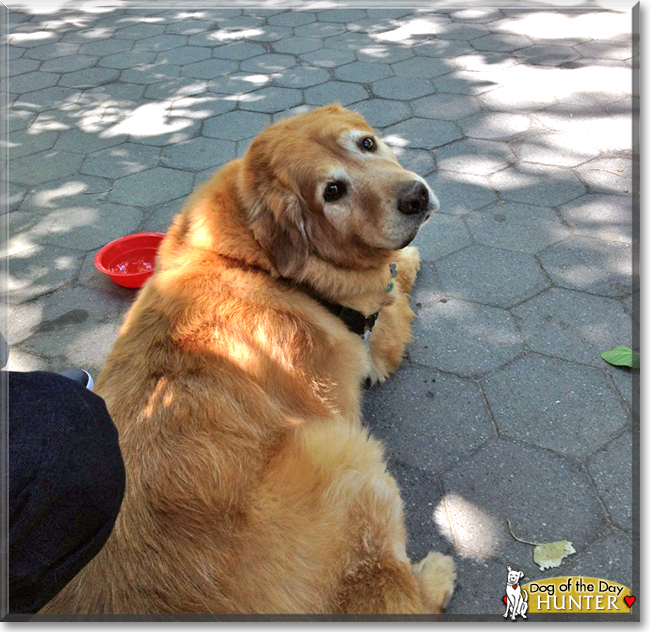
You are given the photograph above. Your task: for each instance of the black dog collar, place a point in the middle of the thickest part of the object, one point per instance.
(353, 319)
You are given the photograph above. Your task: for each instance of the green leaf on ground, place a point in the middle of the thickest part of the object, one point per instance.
(547, 554)
(551, 554)
(622, 356)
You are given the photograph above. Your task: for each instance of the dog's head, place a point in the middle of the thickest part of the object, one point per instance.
(323, 183)
(514, 576)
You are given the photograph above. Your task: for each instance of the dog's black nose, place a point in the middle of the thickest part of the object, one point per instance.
(414, 199)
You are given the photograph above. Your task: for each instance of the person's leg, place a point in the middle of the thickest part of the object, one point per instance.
(66, 484)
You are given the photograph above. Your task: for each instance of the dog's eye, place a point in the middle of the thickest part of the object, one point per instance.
(334, 191)
(368, 143)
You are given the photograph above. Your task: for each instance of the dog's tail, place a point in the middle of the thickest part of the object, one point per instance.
(526, 592)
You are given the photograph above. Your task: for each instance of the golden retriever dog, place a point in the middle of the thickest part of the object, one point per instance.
(235, 384)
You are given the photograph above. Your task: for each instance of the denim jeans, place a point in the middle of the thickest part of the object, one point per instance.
(66, 484)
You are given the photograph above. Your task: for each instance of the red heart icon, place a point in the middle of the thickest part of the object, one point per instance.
(629, 600)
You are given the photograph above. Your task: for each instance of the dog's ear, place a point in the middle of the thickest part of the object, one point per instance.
(521, 574)
(509, 570)
(279, 227)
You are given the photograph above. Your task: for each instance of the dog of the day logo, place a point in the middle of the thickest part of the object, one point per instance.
(516, 598)
(565, 595)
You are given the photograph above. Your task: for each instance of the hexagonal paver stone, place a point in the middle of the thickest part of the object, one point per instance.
(446, 107)
(238, 84)
(41, 270)
(464, 338)
(90, 222)
(184, 55)
(117, 162)
(611, 469)
(607, 175)
(341, 15)
(402, 87)
(77, 325)
(154, 186)
(574, 325)
(89, 77)
(610, 557)
(292, 18)
(236, 125)
(491, 276)
(460, 193)
(51, 51)
(420, 492)
(160, 43)
(67, 191)
(142, 31)
(84, 142)
(21, 66)
(160, 217)
(537, 184)
(64, 99)
(271, 100)
(448, 49)
(572, 409)
(31, 141)
(518, 99)
(25, 230)
(424, 67)
(442, 235)
(32, 81)
(297, 45)
(419, 161)
(476, 16)
(68, 64)
(422, 133)
(601, 216)
(501, 43)
(592, 265)
(363, 72)
(335, 91)
(383, 53)
(318, 29)
(349, 40)
(555, 497)
(127, 59)
(239, 50)
(517, 226)
(606, 49)
(106, 46)
(329, 57)
(494, 125)
(557, 148)
(44, 166)
(266, 64)
(301, 77)
(540, 55)
(382, 112)
(198, 153)
(15, 195)
(427, 419)
(208, 68)
(478, 157)
(462, 31)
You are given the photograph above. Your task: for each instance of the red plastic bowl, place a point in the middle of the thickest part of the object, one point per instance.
(129, 261)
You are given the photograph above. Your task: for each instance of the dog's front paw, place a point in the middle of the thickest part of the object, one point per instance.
(436, 574)
(408, 265)
(379, 373)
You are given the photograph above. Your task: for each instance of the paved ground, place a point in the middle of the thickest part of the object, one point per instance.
(521, 120)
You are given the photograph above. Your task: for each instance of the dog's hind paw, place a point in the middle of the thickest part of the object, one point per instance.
(436, 575)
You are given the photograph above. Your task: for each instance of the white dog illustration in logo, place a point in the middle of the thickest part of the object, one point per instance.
(516, 603)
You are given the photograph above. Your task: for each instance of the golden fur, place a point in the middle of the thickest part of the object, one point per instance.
(252, 486)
